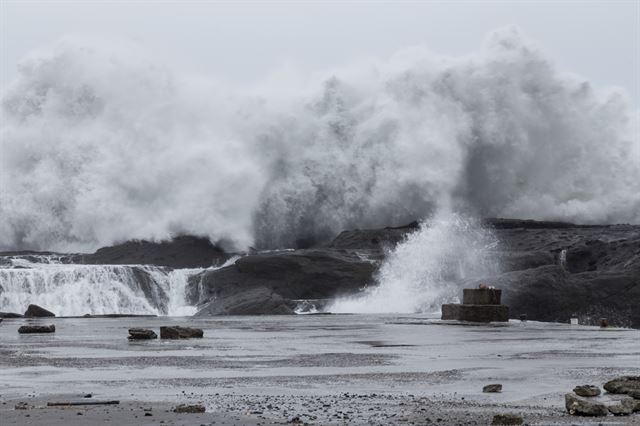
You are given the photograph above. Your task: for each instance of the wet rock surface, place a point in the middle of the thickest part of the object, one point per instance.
(141, 334)
(189, 408)
(507, 419)
(492, 388)
(35, 311)
(623, 385)
(586, 390)
(177, 332)
(34, 329)
(582, 407)
(624, 407)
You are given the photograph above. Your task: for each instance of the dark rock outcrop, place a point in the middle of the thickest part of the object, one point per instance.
(267, 283)
(180, 252)
(623, 407)
(35, 311)
(506, 420)
(177, 332)
(33, 329)
(10, 315)
(492, 388)
(187, 408)
(141, 334)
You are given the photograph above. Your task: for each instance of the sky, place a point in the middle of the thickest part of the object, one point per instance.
(241, 42)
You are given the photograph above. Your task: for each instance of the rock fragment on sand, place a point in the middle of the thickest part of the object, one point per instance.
(624, 407)
(186, 408)
(581, 407)
(141, 334)
(35, 311)
(33, 329)
(23, 406)
(587, 390)
(507, 419)
(176, 332)
(623, 385)
(492, 388)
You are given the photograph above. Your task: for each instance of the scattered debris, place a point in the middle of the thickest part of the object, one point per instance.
(507, 419)
(492, 388)
(186, 408)
(581, 407)
(587, 390)
(31, 329)
(141, 334)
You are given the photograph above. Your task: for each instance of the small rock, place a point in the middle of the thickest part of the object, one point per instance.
(30, 329)
(635, 394)
(507, 419)
(88, 395)
(177, 332)
(148, 414)
(22, 406)
(185, 408)
(492, 388)
(587, 390)
(35, 311)
(141, 334)
(581, 407)
(624, 407)
(624, 384)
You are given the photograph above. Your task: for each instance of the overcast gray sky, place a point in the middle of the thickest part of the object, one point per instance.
(240, 42)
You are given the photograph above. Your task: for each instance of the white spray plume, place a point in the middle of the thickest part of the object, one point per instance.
(428, 268)
(100, 145)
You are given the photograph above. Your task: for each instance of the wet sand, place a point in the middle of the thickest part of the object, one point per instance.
(324, 369)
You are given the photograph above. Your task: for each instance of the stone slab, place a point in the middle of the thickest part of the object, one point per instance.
(476, 296)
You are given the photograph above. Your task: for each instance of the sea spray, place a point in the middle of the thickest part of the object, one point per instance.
(100, 144)
(427, 268)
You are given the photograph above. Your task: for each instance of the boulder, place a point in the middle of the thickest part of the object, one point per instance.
(186, 408)
(176, 332)
(624, 407)
(35, 311)
(623, 385)
(141, 334)
(587, 390)
(32, 329)
(268, 283)
(581, 407)
(506, 420)
(493, 388)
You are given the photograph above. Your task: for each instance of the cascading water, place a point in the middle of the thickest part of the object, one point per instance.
(428, 268)
(71, 290)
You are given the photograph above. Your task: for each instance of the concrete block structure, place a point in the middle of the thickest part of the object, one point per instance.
(478, 305)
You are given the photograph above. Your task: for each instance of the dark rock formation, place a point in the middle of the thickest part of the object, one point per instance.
(623, 385)
(10, 315)
(581, 407)
(141, 334)
(587, 390)
(177, 332)
(181, 252)
(35, 311)
(267, 283)
(32, 329)
(492, 388)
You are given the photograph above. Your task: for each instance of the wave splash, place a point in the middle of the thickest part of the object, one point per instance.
(427, 269)
(102, 145)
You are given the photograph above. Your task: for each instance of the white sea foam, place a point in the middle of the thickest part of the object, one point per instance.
(428, 268)
(100, 144)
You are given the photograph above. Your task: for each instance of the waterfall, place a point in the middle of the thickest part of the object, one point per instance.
(71, 290)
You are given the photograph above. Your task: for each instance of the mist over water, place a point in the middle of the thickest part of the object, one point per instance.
(101, 144)
(428, 268)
